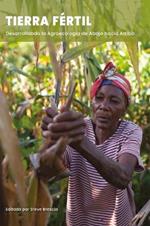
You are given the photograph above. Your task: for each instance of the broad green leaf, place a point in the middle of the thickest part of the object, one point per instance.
(77, 51)
(19, 4)
(132, 48)
(8, 13)
(32, 7)
(93, 69)
(93, 65)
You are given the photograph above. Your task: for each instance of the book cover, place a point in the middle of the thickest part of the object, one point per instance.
(45, 48)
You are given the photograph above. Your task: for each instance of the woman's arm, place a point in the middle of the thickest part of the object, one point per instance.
(118, 173)
(50, 160)
(71, 124)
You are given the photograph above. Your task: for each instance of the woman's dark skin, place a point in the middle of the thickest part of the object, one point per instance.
(109, 105)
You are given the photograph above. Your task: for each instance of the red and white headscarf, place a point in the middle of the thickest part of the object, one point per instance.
(118, 80)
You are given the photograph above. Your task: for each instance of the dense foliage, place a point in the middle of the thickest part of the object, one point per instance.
(28, 80)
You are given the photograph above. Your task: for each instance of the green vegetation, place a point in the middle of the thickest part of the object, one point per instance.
(30, 74)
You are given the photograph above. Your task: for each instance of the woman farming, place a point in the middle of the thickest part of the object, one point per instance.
(102, 155)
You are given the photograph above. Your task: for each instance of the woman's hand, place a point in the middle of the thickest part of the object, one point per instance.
(48, 118)
(69, 124)
(66, 123)
(51, 160)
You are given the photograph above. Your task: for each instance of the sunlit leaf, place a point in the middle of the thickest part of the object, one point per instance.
(92, 69)
(56, 65)
(11, 148)
(32, 190)
(11, 195)
(44, 201)
(77, 51)
(32, 7)
(32, 196)
(37, 47)
(19, 4)
(134, 55)
(93, 65)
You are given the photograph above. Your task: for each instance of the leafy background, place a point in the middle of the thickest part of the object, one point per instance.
(31, 72)
(106, 16)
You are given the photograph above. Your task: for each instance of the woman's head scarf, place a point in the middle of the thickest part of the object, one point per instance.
(110, 76)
